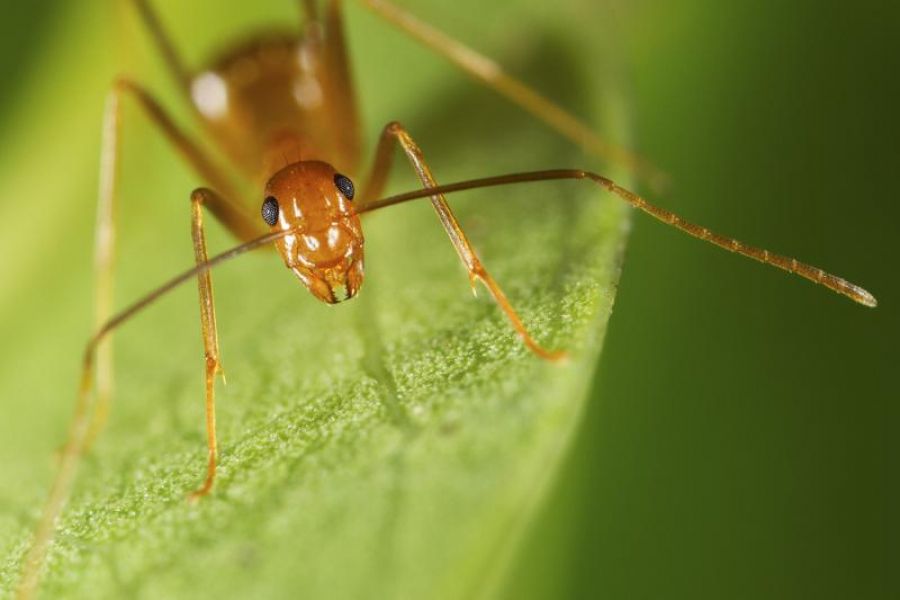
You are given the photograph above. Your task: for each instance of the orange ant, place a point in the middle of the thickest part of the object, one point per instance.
(292, 96)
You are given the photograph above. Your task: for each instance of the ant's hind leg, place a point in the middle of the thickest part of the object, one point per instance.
(492, 75)
(104, 246)
(393, 133)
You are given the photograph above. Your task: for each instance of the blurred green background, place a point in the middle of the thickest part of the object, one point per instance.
(742, 438)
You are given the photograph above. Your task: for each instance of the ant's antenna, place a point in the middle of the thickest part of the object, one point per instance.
(792, 265)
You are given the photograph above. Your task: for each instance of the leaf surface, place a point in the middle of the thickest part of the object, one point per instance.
(394, 446)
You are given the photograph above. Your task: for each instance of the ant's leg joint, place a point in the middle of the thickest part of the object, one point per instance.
(123, 83)
(476, 273)
(199, 195)
(214, 367)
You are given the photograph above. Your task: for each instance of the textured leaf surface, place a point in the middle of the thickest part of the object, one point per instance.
(392, 447)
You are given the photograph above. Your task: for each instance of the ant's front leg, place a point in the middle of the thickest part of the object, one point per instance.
(395, 132)
(199, 198)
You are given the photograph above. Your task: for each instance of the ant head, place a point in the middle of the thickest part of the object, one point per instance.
(325, 249)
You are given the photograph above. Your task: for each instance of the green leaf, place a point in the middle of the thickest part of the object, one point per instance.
(395, 446)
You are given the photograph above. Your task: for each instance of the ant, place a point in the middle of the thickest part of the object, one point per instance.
(277, 97)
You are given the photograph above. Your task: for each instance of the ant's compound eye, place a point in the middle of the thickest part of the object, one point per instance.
(270, 210)
(344, 184)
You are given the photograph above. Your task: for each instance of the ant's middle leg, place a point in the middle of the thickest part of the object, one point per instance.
(324, 32)
(395, 132)
(164, 44)
(227, 212)
(310, 11)
(492, 75)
